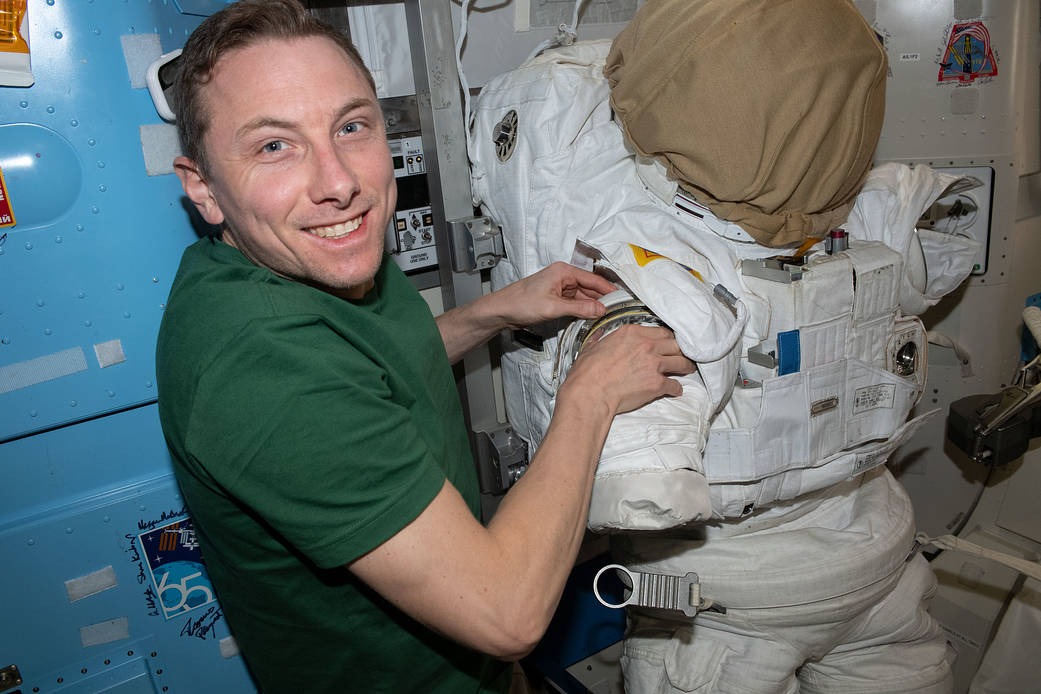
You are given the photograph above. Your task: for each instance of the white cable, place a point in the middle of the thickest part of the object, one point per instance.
(463, 84)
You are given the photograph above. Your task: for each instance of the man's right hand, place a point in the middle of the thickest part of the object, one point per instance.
(627, 369)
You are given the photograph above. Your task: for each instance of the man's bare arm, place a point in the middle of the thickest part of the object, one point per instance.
(495, 588)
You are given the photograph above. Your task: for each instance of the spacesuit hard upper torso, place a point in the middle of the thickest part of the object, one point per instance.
(807, 370)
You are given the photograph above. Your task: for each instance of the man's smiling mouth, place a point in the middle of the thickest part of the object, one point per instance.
(337, 231)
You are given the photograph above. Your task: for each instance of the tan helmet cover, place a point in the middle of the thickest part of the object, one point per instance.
(767, 111)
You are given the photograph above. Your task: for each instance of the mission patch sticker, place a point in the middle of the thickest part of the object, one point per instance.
(173, 558)
(968, 55)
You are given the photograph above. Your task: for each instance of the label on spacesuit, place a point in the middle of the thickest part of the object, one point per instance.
(867, 461)
(873, 397)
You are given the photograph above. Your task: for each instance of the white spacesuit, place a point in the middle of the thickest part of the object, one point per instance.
(766, 478)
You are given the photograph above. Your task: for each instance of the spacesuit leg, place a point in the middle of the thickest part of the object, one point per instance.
(874, 640)
(898, 647)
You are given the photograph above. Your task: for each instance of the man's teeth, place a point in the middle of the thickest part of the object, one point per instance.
(337, 230)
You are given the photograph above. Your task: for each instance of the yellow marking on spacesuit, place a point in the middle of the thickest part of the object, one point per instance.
(809, 243)
(644, 256)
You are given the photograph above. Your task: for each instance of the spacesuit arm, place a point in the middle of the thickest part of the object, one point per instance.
(555, 291)
(495, 588)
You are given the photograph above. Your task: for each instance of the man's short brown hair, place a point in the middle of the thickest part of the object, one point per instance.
(239, 25)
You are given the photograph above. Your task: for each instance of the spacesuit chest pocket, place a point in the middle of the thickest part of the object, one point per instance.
(878, 402)
(799, 422)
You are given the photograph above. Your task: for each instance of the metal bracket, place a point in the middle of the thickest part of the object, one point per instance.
(476, 244)
(758, 355)
(9, 677)
(776, 269)
(502, 457)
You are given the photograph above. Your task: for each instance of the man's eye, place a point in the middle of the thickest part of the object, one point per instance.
(273, 146)
(351, 127)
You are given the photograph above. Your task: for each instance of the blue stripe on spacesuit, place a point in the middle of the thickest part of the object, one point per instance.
(788, 352)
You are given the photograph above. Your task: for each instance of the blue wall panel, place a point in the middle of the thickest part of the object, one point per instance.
(87, 477)
(76, 501)
(97, 240)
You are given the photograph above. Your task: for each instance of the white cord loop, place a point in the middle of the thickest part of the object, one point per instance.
(463, 84)
(567, 34)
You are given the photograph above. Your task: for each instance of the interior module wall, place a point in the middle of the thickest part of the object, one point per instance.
(962, 123)
(84, 273)
(983, 120)
(87, 267)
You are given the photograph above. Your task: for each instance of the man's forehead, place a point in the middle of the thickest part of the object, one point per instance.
(272, 60)
(269, 73)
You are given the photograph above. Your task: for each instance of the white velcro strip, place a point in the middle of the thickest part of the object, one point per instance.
(91, 584)
(46, 368)
(109, 353)
(105, 632)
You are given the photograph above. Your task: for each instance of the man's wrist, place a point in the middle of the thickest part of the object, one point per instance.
(589, 398)
(488, 314)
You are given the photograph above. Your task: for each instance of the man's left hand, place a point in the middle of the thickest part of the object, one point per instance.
(556, 291)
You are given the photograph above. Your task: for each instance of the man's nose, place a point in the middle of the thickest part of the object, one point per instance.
(334, 179)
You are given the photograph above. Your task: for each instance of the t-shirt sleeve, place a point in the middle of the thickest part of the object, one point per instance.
(304, 431)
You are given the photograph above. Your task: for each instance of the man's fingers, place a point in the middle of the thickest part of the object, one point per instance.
(677, 365)
(583, 307)
(576, 281)
(661, 334)
(672, 388)
(594, 286)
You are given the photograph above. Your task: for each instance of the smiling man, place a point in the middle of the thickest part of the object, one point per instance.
(278, 178)
(307, 399)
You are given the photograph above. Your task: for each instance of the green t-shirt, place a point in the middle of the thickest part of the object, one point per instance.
(305, 431)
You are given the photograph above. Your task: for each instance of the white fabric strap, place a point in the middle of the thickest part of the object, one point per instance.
(1030, 568)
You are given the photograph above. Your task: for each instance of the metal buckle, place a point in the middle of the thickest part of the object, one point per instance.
(681, 593)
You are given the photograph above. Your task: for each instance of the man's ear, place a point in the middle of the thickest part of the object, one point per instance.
(198, 190)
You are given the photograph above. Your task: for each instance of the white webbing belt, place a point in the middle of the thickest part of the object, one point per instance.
(1030, 568)
(683, 593)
